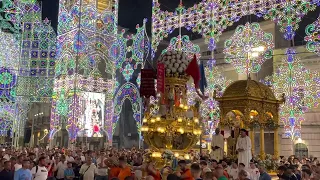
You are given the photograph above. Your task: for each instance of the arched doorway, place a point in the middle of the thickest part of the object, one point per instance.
(300, 150)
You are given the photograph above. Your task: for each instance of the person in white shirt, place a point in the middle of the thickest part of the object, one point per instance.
(243, 147)
(233, 172)
(102, 170)
(40, 172)
(217, 145)
(7, 155)
(18, 165)
(243, 167)
(69, 157)
(60, 167)
(88, 170)
(254, 172)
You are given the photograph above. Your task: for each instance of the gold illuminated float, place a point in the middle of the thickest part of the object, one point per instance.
(175, 127)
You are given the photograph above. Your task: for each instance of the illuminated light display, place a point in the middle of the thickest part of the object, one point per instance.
(132, 59)
(209, 109)
(10, 17)
(210, 18)
(8, 81)
(131, 92)
(37, 59)
(183, 43)
(301, 88)
(86, 40)
(288, 15)
(312, 37)
(248, 48)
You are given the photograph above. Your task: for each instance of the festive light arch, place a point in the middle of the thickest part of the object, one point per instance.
(131, 92)
(86, 34)
(210, 18)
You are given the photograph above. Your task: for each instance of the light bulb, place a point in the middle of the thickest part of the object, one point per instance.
(153, 120)
(145, 120)
(186, 156)
(158, 118)
(176, 155)
(254, 54)
(196, 120)
(181, 105)
(179, 119)
(181, 130)
(258, 49)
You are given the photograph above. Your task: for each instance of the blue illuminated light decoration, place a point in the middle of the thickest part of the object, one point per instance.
(301, 89)
(86, 57)
(210, 18)
(312, 37)
(131, 61)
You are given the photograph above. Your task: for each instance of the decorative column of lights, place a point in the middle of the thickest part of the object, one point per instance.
(130, 59)
(9, 51)
(37, 60)
(86, 32)
(210, 18)
(248, 48)
(10, 18)
(301, 88)
(312, 37)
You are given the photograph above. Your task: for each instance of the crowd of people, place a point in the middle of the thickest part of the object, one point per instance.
(131, 164)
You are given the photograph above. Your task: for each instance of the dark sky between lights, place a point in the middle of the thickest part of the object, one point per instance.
(132, 12)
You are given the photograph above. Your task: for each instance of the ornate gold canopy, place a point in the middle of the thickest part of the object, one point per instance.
(248, 99)
(250, 104)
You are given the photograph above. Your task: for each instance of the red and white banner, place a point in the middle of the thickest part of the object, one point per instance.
(160, 78)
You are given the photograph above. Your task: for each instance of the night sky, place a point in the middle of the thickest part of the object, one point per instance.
(132, 12)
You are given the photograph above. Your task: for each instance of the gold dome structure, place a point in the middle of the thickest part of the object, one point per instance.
(251, 105)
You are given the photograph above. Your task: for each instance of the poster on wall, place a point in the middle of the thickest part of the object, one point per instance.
(92, 121)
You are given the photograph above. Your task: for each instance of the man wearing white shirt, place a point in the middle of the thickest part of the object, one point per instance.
(254, 172)
(40, 172)
(18, 165)
(102, 170)
(217, 145)
(233, 171)
(7, 155)
(60, 167)
(69, 157)
(244, 148)
(88, 170)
